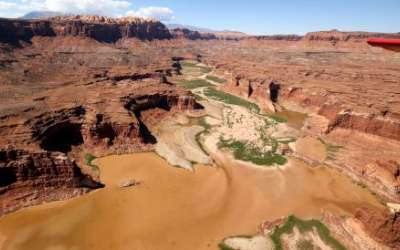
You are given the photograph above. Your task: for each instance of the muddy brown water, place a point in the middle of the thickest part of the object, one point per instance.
(294, 119)
(177, 209)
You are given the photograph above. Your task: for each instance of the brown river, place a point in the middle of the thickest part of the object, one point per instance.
(174, 208)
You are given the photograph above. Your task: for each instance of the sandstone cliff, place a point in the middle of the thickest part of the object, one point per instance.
(99, 28)
(191, 35)
(292, 37)
(68, 93)
(30, 178)
(336, 36)
(382, 226)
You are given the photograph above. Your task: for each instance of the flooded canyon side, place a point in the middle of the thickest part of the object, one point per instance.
(173, 208)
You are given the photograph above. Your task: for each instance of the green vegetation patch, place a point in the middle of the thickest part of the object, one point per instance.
(88, 159)
(305, 245)
(204, 70)
(215, 79)
(204, 124)
(189, 64)
(207, 127)
(331, 149)
(242, 150)
(194, 84)
(287, 141)
(304, 226)
(198, 98)
(231, 99)
(223, 246)
(278, 119)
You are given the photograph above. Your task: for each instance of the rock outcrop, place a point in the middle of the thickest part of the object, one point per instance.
(30, 178)
(290, 37)
(381, 225)
(69, 92)
(352, 233)
(100, 28)
(336, 36)
(192, 35)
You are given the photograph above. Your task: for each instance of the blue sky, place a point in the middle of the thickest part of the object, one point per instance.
(255, 17)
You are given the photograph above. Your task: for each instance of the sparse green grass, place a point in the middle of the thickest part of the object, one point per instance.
(223, 246)
(207, 127)
(215, 79)
(287, 141)
(245, 152)
(198, 97)
(88, 159)
(188, 64)
(278, 119)
(194, 84)
(305, 245)
(203, 69)
(203, 123)
(331, 149)
(231, 99)
(304, 226)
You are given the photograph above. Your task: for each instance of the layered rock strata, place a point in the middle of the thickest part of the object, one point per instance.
(99, 28)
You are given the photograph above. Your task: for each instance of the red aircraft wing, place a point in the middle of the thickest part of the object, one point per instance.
(390, 44)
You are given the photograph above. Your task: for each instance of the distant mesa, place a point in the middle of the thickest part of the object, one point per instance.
(223, 34)
(99, 28)
(179, 33)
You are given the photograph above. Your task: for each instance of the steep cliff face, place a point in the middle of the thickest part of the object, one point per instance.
(336, 36)
(278, 38)
(65, 95)
(13, 31)
(382, 226)
(256, 89)
(192, 35)
(342, 116)
(120, 128)
(30, 178)
(370, 124)
(42, 164)
(99, 28)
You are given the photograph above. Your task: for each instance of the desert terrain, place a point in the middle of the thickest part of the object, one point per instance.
(118, 133)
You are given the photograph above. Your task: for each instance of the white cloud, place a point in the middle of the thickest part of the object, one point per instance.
(159, 13)
(105, 7)
(6, 5)
(116, 8)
